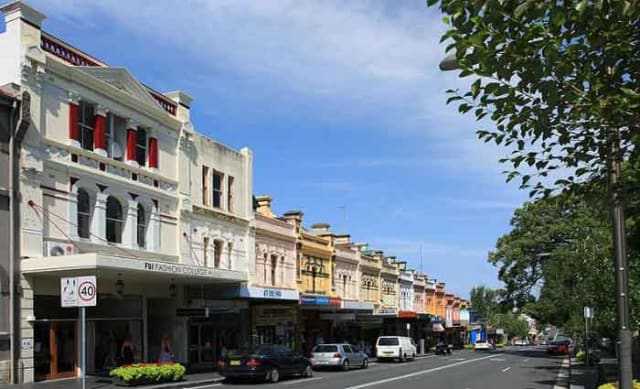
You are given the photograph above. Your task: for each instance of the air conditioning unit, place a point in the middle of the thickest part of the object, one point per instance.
(56, 249)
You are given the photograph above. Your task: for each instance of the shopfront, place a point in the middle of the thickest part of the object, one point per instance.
(314, 328)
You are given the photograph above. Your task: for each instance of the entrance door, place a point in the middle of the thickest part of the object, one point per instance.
(56, 351)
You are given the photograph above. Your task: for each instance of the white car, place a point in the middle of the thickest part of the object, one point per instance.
(483, 345)
(396, 347)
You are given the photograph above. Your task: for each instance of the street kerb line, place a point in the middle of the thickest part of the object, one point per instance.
(417, 373)
(506, 369)
(562, 380)
(203, 386)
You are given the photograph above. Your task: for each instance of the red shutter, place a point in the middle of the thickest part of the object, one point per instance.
(73, 122)
(153, 152)
(99, 138)
(132, 135)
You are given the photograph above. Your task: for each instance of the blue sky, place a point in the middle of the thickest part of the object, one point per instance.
(343, 105)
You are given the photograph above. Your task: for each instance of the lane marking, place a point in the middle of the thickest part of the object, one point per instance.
(202, 387)
(417, 373)
(526, 360)
(562, 379)
(498, 359)
(505, 369)
(298, 381)
(459, 359)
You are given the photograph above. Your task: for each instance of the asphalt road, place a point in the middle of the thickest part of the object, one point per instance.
(511, 368)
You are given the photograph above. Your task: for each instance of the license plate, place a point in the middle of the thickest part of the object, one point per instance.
(234, 363)
(388, 352)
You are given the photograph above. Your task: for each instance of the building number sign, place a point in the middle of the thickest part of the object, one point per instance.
(78, 291)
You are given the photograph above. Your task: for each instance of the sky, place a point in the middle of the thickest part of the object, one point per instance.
(342, 104)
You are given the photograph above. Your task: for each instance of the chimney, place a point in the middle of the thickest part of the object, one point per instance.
(184, 104)
(18, 10)
(264, 205)
(343, 239)
(320, 227)
(294, 218)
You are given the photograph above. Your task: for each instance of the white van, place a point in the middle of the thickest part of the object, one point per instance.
(396, 347)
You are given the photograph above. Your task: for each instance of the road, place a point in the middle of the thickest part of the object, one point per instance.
(511, 368)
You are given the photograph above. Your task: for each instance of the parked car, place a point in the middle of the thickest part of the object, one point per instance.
(559, 347)
(396, 347)
(483, 345)
(266, 362)
(340, 355)
(443, 348)
(520, 342)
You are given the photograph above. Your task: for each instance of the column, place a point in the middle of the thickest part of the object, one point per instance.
(99, 219)
(129, 232)
(99, 131)
(153, 235)
(132, 132)
(153, 153)
(74, 134)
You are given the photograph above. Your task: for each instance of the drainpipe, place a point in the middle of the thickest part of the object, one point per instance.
(15, 142)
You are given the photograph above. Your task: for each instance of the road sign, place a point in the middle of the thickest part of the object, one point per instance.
(588, 313)
(78, 291)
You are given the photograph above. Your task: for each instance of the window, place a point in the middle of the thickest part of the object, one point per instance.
(264, 269)
(274, 265)
(205, 185)
(86, 123)
(84, 213)
(229, 254)
(217, 189)
(230, 193)
(141, 147)
(142, 230)
(205, 250)
(217, 252)
(114, 220)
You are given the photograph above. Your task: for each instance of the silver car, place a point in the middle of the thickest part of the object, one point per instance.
(338, 355)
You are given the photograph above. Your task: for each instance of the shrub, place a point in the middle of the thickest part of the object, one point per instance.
(580, 355)
(468, 347)
(140, 373)
(614, 385)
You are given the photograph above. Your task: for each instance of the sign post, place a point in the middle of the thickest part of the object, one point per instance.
(80, 292)
(588, 314)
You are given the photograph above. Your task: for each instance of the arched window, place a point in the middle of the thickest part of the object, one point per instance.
(217, 252)
(114, 220)
(142, 226)
(84, 214)
(274, 265)
(264, 268)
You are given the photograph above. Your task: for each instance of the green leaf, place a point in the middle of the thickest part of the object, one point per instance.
(581, 6)
(521, 9)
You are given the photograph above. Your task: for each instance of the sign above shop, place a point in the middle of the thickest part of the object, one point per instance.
(268, 293)
(78, 291)
(387, 312)
(407, 315)
(358, 305)
(320, 300)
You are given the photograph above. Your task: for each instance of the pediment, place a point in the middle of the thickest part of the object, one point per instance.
(121, 79)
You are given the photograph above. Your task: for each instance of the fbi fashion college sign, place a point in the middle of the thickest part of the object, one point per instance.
(178, 269)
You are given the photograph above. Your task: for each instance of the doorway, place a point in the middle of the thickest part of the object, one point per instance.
(55, 349)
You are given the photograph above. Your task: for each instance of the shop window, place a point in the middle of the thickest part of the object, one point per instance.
(114, 220)
(141, 147)
(142, 226)
(217, 252)
(217, 189)
(205, 185)
(84, 214)
(86, 124)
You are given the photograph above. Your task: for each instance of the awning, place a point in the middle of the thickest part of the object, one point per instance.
(437, 327)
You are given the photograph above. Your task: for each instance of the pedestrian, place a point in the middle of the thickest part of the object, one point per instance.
(166, 353)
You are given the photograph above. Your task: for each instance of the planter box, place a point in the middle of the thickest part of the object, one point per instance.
(147, 374)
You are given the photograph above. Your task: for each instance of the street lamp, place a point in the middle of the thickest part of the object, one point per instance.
(614, 179)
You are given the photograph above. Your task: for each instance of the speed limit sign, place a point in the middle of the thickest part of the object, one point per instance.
(78, 291)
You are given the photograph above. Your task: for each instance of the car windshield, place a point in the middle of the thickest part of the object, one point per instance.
(256, 350)
(325, 348)
(388, 342)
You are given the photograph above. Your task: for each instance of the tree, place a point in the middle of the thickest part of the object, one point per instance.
(561, 82)
(485, 301)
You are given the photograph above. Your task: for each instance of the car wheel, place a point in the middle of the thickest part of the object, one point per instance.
(414, 357)
(345, 365)
(365, 363)
(308, 372)
(402, 357)
(273, 376)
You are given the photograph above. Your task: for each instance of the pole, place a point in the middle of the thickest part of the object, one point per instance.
(614, 173)
(13, 260)
(586, 339)
(83, 353)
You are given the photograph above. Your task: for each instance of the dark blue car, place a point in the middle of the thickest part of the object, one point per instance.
(267, 362)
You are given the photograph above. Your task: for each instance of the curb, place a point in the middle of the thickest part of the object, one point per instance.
(186, 384)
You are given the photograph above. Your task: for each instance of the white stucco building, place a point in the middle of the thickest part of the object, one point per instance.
(117, 183)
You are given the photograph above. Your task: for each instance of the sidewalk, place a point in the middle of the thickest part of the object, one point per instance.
(189, 380)
(590, 377)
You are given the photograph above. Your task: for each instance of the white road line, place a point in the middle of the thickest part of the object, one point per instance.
(526, 360)
(417, 373)
(562, 380)
(302, 380)
(459, 359)
(498, 359)
(505, 369)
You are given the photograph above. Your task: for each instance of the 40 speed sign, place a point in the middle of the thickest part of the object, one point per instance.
(78, 291)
